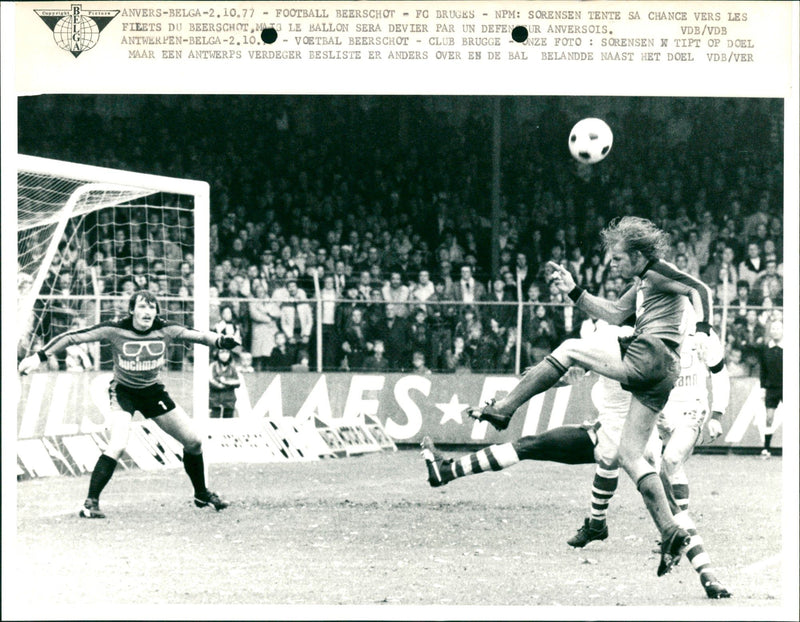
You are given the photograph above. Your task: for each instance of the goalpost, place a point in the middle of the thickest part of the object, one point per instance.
(87, 236)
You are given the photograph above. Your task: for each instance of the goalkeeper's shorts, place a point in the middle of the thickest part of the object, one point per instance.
(151, 401)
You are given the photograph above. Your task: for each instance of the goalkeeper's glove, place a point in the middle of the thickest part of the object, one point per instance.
(29, 363)
(225, 342)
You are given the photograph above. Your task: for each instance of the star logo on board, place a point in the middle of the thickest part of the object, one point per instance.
(76, 30)
(452, 410)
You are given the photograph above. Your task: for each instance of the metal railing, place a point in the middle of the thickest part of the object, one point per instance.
(501, 324)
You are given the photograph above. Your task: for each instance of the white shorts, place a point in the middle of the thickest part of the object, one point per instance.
(682, 414)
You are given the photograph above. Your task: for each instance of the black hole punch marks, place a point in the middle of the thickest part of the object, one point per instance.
(519, 34)
(269, 35)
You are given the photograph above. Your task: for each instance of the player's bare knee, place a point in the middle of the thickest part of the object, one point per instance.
(609, 464)
(565, 352)
(670, 462)
(114, 452)
(568, 347)
(193, 446)
(627, 459)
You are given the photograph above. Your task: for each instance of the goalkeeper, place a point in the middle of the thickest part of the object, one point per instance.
(139, 344)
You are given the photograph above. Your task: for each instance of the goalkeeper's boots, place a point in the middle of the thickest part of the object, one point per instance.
(439, 469)
(672, 547)
(587, 534)
(714, 589)
(91, 509)
(489, 413)
(212, 499)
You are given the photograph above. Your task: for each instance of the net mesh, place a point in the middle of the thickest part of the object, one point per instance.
(84, 247)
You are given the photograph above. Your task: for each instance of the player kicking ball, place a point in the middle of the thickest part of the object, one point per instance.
(591, 442)
(139, 344)
(679, 427)
(646, 363)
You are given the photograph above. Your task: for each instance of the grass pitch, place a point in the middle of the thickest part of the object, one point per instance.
(370, 531)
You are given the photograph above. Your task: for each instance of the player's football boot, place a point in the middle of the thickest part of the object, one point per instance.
(587, 534)
(673, 546)
(212, 499)
(489, 413)
(714, 589)
(91, 509)
(439, 471)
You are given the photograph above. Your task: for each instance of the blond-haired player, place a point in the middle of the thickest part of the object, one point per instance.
(680, 427)
(646, 364)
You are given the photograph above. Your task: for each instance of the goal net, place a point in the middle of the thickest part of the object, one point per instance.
(87, 237)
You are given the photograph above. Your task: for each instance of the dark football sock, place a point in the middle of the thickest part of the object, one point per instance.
(196, 470)
(537, 380)
(101, 474)
(566, 444)
(652, 491)
(669, 491)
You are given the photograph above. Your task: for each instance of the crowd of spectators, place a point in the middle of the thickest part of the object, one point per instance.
(385, 202)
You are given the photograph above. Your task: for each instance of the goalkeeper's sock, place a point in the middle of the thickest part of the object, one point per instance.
(101, 474)
(196, 470)
(492, 458)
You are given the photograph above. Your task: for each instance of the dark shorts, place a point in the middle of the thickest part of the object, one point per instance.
(773, 396)
(151, 401)
(652, 369)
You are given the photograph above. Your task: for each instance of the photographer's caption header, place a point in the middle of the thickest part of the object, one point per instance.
(534, 48)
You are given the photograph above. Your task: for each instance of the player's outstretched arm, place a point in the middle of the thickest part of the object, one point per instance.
(54, 346)
(225, 342)
(613, 312)
(207, 338)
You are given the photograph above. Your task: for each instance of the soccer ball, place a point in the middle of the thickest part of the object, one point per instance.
(590, 140)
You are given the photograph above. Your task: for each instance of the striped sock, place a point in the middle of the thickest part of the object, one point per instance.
(604, 486)
(695, 553)
(681, 494)
(492, 458)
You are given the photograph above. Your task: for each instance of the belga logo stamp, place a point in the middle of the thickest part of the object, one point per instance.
(76, 30)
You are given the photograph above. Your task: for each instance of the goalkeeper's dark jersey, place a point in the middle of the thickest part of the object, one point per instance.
(138, 355)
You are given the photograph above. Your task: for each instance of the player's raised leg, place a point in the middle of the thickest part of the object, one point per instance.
(565, 444)
(107, 462)
(592, 353)
(177, 424)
